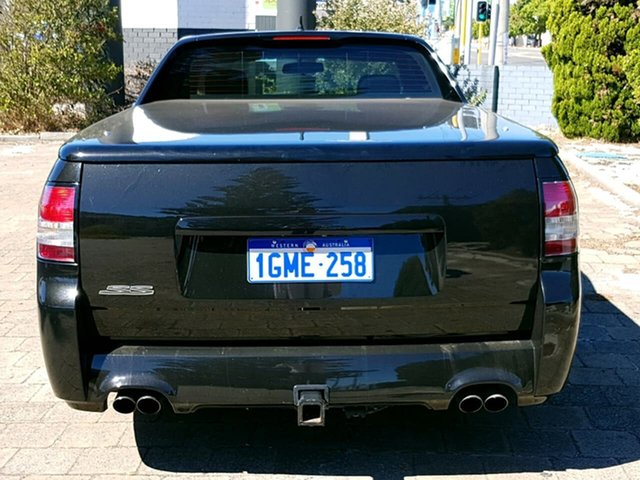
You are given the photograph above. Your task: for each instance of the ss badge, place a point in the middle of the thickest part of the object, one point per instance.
(129, 290)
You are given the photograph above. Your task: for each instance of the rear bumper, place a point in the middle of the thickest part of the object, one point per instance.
(359, 375)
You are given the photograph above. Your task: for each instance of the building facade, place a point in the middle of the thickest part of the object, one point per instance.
(151, 27)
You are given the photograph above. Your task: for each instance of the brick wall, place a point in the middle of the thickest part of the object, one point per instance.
(141, 44)
(524, 95)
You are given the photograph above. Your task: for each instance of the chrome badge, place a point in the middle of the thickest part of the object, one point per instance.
(129, 290)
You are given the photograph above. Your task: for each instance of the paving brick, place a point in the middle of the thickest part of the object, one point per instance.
(448, 464)
(603, 319)
(552, 417)
(629, 376)
(626, 396)
(10, 344)
(615, 418)
(46, 461)
(499, 467)
(624, 333)
(37, 376)
(6, 454)
(31, 435)
(60, 412)
(91, 435)
(22, 412)
(594, 332)
(60, 477)
(635, 359)
(615, 346)
(18, 392)
(600, 307)
(43, 393)
(542, 443)
(606, 360)
(475, 441)
(602, 443)
(594, 376)
(116, 460)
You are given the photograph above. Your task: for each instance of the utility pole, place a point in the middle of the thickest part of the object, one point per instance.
(502, 44)
(293, 14)
(468, 31)
(493, 32)
(455, 47)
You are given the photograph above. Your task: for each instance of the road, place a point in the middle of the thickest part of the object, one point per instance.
(589, 431)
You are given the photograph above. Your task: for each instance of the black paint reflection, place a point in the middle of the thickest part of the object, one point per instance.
(260, 191)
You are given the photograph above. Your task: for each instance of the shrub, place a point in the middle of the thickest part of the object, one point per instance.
(52, 61)
(470, 86)
(136, 78)
(595, 58)
(372, 15)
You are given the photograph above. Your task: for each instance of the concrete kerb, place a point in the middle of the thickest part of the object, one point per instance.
(37, 137)
(619, 189)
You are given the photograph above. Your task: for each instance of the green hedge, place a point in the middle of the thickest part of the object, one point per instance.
(595, 58)
(53, 65)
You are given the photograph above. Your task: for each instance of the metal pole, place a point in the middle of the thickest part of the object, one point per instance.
(496, 88)
(293, 14)
(469, 32)
(455, 41)
(503, 33)
(493, 32)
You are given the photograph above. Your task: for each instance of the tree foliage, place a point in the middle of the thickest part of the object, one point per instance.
(372, 15)
(52, 54)
(529, 17)
(595, 58)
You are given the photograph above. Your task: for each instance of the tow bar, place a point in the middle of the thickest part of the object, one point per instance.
(311, 402)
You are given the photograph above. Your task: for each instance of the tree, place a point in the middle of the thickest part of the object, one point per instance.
(529, 17)
(595, 58)
(52, 57)
(372, 15)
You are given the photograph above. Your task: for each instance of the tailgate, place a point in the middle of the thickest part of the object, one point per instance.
(455, 244)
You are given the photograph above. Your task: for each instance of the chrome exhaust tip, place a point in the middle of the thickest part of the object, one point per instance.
(496, 403)
(470, 404)
(124, 404)
(148, 405)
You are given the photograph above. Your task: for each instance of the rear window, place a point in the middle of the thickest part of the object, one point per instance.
(221, 69)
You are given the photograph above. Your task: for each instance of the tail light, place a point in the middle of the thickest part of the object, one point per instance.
(560, 218)
(302, 38)
(55, 237)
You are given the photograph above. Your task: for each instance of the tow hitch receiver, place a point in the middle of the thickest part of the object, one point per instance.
(311, 401)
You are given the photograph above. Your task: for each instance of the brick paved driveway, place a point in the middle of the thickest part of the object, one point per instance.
(590, 430)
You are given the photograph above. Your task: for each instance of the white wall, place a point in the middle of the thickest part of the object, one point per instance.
(227, 14)
(149, 13)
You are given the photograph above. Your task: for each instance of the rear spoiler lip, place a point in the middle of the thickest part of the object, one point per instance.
(296, 153)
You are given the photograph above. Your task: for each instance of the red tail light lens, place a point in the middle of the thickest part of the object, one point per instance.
(560, 218)
(55, 237)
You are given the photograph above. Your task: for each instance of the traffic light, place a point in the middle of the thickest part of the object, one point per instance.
(482, 13)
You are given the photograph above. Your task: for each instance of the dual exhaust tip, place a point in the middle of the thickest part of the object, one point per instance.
(473, 403)
(145, 404)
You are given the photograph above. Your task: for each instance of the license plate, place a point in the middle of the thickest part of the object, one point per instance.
(278, 260)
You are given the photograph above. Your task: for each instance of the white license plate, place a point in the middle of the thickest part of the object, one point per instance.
(298, 260)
